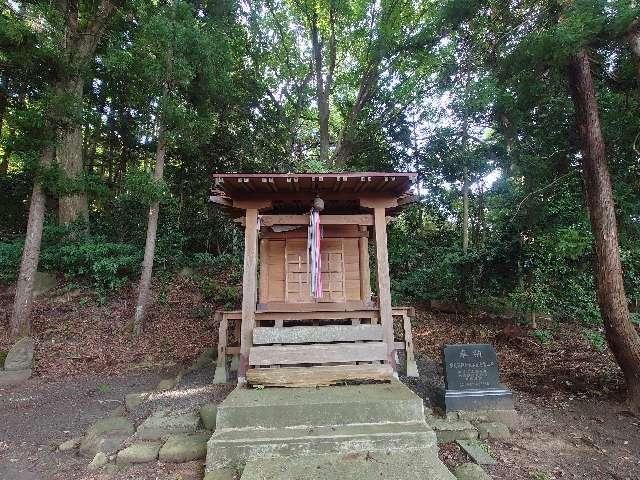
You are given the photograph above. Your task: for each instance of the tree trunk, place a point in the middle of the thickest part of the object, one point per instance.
(465, 210)
(78, 46)
(154, 210)
(633, 35)
(4, 163)
(622, 337)
(368, 83)
(23, 302)
(69, 155)
(322, 92)
(150, 245)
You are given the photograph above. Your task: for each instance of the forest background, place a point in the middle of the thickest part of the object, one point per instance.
(114, 115)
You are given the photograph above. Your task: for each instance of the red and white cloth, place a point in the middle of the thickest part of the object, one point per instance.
(314, 267)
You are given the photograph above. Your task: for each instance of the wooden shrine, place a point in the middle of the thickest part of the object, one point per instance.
(284, 336)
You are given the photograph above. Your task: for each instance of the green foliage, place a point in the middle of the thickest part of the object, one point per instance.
(106, 265)
(538, 475)
(596, 339)
(10, 256)
(542, 336)
(227, 296)
(104, 388)
(454, 90)
(219, 278)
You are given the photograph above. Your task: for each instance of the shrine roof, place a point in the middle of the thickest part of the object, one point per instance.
(246, 184)
(295, 191)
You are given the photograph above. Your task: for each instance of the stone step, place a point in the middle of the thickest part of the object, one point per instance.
(420, 464)
(232, 447)
(337, 405)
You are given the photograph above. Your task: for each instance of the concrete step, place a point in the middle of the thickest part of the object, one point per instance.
(337, 405)
(414, 465)
(235, 447)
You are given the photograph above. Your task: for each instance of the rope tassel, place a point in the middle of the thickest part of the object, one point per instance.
(314, 267)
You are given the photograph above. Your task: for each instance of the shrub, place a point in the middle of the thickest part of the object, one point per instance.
(10, 255)
(228, 296)
(596, 339)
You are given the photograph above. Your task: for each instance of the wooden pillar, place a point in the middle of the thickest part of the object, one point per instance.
(384, 283)
(221, 374)
(248, 290)
(365, 274)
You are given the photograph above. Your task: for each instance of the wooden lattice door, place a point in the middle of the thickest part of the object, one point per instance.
(297, 276)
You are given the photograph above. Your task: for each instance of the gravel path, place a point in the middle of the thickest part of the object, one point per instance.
(37, 416)
(193, 391)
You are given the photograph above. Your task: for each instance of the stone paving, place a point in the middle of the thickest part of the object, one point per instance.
(174, 422)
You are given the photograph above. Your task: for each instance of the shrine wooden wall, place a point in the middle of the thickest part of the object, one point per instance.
(283, 275)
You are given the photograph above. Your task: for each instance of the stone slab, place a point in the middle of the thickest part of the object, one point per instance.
(470, 367)
(106, 436)
(323, 406)
(475, 450)
(20, 355)
(227, 448)
(14, 377)
(415, 465)
(220, 375)
(70, 444)
(43, 282)
(184, 448)
(208, 414)
(222, 474)
(141, 452)
(470, 471)
(164, 423)
(133, 400)
(508, 417)
(99, 461)
(470, 400)
(495, 430)
(166, 384)
(449, 430)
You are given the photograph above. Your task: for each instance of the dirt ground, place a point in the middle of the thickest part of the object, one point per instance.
(39, 415)
(573, 422)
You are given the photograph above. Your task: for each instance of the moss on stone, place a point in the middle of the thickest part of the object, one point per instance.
(3, 355)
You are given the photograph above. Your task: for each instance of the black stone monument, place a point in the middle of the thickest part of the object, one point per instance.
(472, 380)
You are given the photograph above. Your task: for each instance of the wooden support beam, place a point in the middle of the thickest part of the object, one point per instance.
(270, 220)
(378, 202)
(365, 273)
(310, 314)
(221, 200)
(248, 290)
(318, 353)
(384, 283)
(319, 334)
(221, 374)
(412, 367)
(263, 273)
(302, 233)
(249, 204)
(349, 306)
(317, 376)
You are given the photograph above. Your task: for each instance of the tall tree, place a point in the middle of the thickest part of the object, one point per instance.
(77, 45)
(622, 337)
(84, 23)
(154, 209)
(20, 323)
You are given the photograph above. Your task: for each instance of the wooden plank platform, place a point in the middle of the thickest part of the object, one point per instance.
(319, 334)
(329, 353)
(317, 376)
